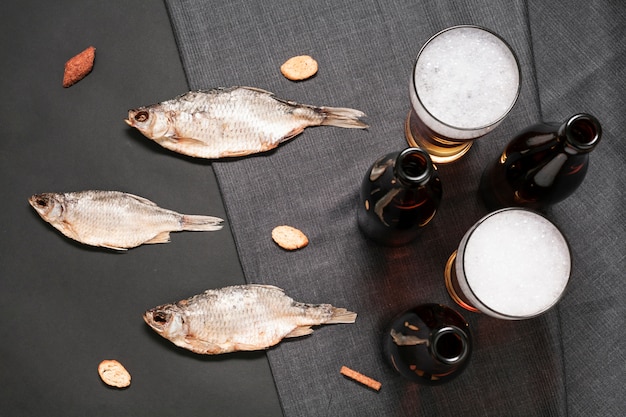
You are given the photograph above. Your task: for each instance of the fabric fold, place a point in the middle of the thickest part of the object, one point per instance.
(580, 68)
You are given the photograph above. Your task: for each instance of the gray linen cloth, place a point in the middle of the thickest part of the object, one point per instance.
(580, 53)
(568, 361)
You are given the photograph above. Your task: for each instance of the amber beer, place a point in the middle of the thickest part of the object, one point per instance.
(465, 81)
(512, 264)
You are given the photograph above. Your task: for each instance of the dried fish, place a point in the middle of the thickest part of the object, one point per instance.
(115, 220)
(230, 122)
(240, 317)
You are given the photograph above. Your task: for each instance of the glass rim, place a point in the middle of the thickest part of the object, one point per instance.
(484, 307)
(519, 74)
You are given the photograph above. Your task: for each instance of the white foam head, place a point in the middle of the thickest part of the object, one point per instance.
(513, 264)
(465, 78)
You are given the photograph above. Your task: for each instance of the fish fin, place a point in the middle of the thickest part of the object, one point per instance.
(343, 117)
(163, 237)
(229, 154)
(186, 141)
(268, 286)
(292, 133)
(104, 245)
(199, 223)
(203, 347)
(341, 315)
(258, 90)
(141, 199)
(300, 331)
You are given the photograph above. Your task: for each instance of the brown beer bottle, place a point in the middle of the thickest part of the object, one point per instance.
(542, 165)
(430, 344)
(399, 195)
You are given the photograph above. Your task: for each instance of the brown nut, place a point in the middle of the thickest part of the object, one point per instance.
(78, 67)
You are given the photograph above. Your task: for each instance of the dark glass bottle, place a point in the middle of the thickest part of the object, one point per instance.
(542, 165)
(430, 344)
(399, 195)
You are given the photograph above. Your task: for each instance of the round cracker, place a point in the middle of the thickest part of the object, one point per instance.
(289, 238)
(113, 373)
(299, 68)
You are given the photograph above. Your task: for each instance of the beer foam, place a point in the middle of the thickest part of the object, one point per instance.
(517, 263)
(466, 78)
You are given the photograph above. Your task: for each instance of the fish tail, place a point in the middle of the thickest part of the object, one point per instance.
(343, 117)
(341, 315)
(199, 223)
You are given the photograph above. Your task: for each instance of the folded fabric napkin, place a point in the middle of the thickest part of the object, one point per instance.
(365, 51)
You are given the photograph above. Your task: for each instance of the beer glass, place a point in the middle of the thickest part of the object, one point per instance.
(465, 81)
(512, 264)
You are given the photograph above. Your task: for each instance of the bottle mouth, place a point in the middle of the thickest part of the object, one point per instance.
(450, 345)
(583, 131)
(413, 165)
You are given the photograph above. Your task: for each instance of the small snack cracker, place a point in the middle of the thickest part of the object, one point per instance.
(289, 238)
(359, 377)
(299, 68)
(113, 373)
(78, 67)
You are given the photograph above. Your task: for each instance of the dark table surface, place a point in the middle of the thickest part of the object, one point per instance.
(66, 306)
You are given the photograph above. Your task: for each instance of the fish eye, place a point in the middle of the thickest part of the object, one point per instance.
(142, 116)
(160, 317)
(42, 202)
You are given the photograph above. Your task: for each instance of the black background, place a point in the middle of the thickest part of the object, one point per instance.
(65, 306)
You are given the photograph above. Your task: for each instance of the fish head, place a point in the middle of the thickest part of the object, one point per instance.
(167, 320)
(49, 206)
(151, 122)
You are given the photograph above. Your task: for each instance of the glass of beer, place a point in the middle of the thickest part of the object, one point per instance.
(512, 264)
(465, 81)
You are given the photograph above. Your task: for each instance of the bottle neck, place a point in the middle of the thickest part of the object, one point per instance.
(581, 133)
(413, 167)
(449, 345)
